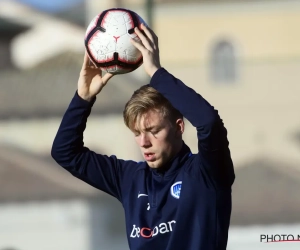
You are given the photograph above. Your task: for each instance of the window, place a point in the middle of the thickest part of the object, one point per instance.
(223, 62)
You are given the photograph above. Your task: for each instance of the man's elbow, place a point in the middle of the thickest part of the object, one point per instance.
(56, 153)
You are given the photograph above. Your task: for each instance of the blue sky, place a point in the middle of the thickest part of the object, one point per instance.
(50, 5)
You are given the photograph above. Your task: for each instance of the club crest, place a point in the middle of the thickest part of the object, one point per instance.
(175, 189)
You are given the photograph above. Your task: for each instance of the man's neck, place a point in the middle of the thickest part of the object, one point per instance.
(166, 166)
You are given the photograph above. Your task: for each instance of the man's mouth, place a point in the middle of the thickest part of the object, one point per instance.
(149, 156)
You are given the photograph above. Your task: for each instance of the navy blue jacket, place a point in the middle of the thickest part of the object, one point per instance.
(186, 208)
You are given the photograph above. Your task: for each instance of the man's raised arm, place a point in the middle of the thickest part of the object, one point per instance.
(100, 171)
(213, 150)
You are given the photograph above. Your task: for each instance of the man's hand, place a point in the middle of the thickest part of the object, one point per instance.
(90, 80)
(148, 48)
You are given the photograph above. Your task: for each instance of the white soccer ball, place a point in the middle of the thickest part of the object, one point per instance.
(107, 41)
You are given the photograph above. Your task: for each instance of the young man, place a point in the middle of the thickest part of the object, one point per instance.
(174, 200)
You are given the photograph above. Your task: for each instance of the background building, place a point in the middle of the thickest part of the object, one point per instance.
(242, 56)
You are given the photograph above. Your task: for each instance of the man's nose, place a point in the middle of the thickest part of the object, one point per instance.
(144, 141)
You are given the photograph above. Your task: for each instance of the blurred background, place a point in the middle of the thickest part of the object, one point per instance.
(243, 56)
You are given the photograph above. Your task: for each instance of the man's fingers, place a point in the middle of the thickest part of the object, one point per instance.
(86, 60)
(106, 77)
(155, 38)
(145, 40)
(149, 33)
(138, 45)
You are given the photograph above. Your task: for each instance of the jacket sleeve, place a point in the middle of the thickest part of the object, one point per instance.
(100, 171)
(213, 145)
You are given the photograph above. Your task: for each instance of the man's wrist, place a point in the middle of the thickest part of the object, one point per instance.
(85, 97)
(152, 71)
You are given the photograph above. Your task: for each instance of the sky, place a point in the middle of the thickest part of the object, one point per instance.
(50, 5)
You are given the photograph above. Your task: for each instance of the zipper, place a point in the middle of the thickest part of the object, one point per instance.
(154, 198)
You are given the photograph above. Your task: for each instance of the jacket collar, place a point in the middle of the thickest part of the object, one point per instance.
(174, 164)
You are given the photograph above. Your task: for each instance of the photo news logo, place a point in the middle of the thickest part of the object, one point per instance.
(271, 238)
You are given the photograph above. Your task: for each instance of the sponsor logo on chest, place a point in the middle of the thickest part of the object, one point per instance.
(146, 232)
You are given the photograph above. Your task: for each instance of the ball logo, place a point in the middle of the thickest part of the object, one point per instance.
(175, 189)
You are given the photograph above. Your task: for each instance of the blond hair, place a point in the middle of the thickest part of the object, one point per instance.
(144, 99)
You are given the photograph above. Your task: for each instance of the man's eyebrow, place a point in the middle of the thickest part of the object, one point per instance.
(152, 127)
(147, 129)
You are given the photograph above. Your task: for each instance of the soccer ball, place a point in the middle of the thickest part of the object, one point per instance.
(107, 41)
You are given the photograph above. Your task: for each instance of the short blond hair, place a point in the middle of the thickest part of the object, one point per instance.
(144, 99)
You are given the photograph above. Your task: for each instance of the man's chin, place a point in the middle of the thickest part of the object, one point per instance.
(153, 164)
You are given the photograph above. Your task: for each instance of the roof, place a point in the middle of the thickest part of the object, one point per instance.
(25, 14)
(24, 177)
(46, 90)
(265, 192)
(47, 35)
(11, 28)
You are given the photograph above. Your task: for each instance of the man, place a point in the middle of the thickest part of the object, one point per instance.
(174, 200)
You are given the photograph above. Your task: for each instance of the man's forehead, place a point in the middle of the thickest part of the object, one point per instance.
(148, 120)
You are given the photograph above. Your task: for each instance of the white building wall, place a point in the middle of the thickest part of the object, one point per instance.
(68, 226)
(46, 226)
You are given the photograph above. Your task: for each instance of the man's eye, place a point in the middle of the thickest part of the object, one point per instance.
(136, 133)
(154, 132)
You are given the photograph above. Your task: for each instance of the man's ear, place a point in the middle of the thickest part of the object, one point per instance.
(179, 126)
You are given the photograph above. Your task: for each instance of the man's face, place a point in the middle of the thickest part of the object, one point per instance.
(158, 139)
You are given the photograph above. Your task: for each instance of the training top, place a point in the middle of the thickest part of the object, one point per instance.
(186, 208)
